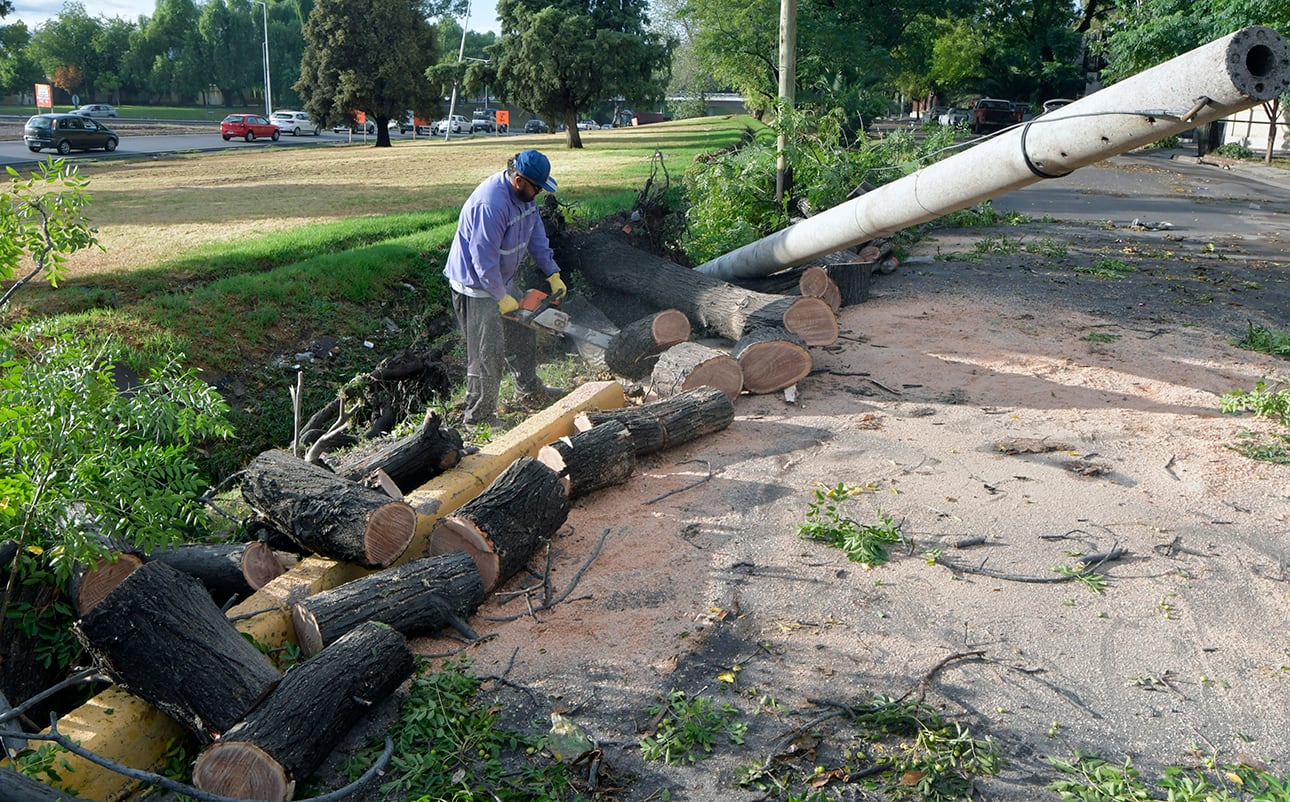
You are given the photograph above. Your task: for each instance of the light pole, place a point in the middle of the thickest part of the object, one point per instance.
(452, 104)
(268, 87)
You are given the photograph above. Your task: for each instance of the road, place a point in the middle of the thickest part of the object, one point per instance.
(195, 137)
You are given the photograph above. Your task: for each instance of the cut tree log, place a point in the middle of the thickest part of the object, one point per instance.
(601, 456)
(501, 527)
(771, 360)
(227, 570)
(90, 585)
(421, 596)
(811, 281)
(161, 637)
(328, 514)
(667, 422)
(410, 461)
(635, 348)
(852, 280)
(713, 304)
(690, 365)
(20, 788)
(317, 703)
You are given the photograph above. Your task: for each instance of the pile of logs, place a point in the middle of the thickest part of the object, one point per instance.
(767, 324)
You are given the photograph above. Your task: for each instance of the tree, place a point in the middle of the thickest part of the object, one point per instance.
(564, 58)
(369, 56)
(231, 43)
(64, 47)
(166, 57)
(18, 71)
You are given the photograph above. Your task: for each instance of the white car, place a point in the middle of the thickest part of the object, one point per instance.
(294, 122)
(588, 125)
(96, 110)
(458, 123)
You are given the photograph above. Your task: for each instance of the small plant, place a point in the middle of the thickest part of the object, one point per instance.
(1048, 248)
(1263, 401)
(1101, 337)
(688, 728)
(1266, 340)
(862, 543)
(1107, 268)
(1093, 779)
(999, 246)
(1273, 448)
(1234, 150)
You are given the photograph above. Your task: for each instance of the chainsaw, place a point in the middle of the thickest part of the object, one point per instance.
(538, 310)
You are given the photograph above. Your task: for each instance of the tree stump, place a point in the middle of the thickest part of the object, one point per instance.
(601, 456)
(713, 304)
(852, 280)
(771, 360)
(409, 461)
(328, 514)
(20, 788)
(689, 365)
(501, 527)
(635, 349)
(668, 422)
(161, 637)
(317, 703)
(227, 570)
(420, 596)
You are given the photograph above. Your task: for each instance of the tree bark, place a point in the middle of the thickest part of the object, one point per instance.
(327, 514)
(420, 596)
(501, 527)
(634, 350)
(227, 570)
(669, 422)
(689, 365)
(771, 360)
(161, 637)
(852, 280)
(317, 703)
(711, 303)
(409, 461)
(601, 456)
(20, 788)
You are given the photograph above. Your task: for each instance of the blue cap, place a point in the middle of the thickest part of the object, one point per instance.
(535, 167)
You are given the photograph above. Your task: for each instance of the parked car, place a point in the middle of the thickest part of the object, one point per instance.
(535, 126)
(990, 113)
(588, 125)
(483, 120)
(95, 110)
(456, 122)
(294, 122)
(367, 127)
(954, 116)
(249, 127)
(66, 133)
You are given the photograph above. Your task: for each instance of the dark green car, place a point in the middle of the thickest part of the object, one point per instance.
(66, 133)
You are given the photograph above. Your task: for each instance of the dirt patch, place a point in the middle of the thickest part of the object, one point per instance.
(948, 367)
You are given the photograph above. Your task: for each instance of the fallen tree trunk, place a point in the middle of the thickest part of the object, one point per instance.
(161, 637)
(317, 703)
(601, 456)
(328, 514)
(409, 461)
(689, 365)
(420, 596)
(715, 305)
(668, 422)
(771, 360)
(635, 348)
(500, 528)
(20, 788)
(227, 570)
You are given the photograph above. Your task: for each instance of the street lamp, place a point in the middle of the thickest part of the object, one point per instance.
(461, 51)
(268, 88)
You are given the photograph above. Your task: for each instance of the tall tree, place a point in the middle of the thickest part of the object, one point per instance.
(64, 47)
(231, 44)
(565, 57)
(369, 56)
(166, 58)
(19, 72)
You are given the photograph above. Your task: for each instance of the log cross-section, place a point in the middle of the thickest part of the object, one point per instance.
(317, 703)
(327, 514)
(689, 365)
(501, 527)
(418, 597)
(161, 637)
(633, 351)
(771, 359)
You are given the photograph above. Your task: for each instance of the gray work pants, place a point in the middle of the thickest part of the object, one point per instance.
(492, 344)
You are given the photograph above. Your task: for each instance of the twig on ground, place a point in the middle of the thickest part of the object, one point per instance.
(690, 486)
(573, 584)
(921, 685)
(1090, 565)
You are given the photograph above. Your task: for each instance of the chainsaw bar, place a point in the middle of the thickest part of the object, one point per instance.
(555, 321)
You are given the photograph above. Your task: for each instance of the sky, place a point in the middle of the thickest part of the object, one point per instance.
(483, 13)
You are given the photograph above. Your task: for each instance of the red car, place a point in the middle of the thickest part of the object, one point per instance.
(248, 126)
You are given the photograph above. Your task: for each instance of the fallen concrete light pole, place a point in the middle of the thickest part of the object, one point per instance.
(1225, 76)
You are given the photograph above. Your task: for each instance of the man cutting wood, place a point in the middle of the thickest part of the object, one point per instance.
(499, 225)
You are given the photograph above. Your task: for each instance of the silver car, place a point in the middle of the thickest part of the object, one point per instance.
(294, 122)
(96, 110)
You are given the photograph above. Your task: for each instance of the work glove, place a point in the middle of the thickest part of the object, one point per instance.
(507, 305)
(557, 284)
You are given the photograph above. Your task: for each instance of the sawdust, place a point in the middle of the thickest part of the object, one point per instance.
(947, 363)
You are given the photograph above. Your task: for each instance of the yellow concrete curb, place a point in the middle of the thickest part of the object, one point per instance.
(132, 732)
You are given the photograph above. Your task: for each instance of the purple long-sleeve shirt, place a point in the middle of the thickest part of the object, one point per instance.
(494, 232)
